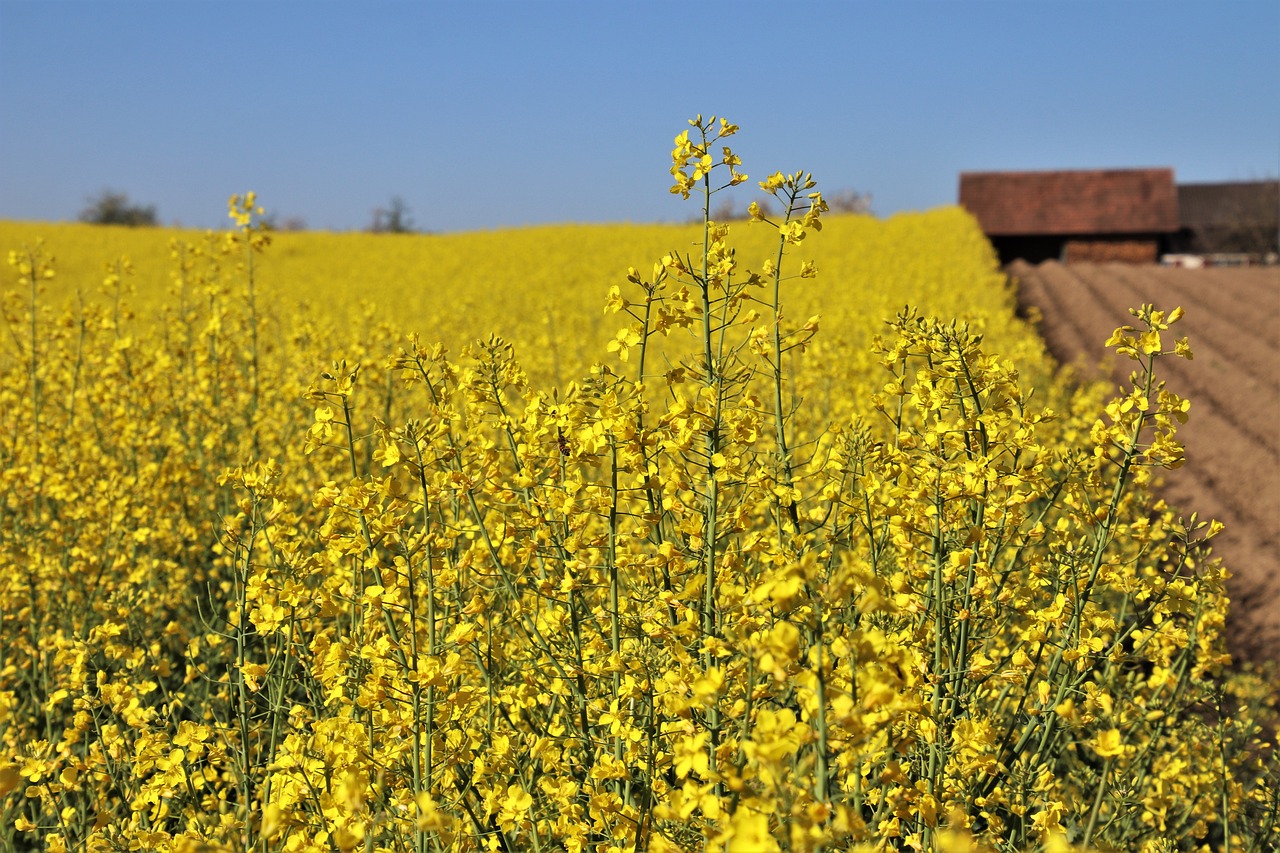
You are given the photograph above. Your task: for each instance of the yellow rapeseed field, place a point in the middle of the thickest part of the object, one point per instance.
(776, 534)
(543, 287)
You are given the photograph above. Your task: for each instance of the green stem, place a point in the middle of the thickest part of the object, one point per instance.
(711, 379)
(779, 413)
(1097, 804)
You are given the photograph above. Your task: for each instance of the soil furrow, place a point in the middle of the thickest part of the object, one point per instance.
(1071, 305)
(1253, 632)
(1259, 287)
(1232, 439)
(1214, 445)
(1254, 420)
(1220, 380)
(1252, 288)
(1248, 309)
(1252, 354)
(1063, 337)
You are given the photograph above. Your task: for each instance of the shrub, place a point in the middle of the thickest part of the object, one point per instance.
(114, 208)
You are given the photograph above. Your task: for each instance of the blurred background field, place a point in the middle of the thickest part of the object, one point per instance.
(543, 287)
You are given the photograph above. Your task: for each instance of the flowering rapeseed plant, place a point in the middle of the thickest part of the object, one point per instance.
(743, 585)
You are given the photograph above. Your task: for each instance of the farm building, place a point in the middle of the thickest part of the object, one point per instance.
(1076, 215)
(1233, 218)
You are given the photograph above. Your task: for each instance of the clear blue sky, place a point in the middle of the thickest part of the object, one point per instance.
(487, 114)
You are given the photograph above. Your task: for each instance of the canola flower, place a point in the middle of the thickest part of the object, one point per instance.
(715, 578)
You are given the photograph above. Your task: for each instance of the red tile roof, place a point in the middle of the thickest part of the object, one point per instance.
(1095, 201)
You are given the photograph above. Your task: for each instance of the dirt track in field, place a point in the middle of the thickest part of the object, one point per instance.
(1233, 436)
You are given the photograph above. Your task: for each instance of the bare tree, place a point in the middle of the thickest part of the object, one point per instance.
(394, 219)
(111, 207)
(849, 201)
(725, 211)
(273, 222)
(841, 201)
(728, 211)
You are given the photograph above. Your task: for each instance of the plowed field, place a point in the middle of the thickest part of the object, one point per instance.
(1233, 436)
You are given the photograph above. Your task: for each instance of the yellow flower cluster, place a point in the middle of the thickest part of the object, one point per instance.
(717, 579)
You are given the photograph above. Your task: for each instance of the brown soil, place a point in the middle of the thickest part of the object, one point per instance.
(1233, 436)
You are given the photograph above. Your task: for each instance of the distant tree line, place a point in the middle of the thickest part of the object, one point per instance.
(112, 207)
(840, 201)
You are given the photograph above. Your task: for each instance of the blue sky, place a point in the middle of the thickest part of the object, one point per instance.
(486, 114)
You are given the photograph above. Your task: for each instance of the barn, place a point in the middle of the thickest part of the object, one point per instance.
(1238, 218)
(1074, 215)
